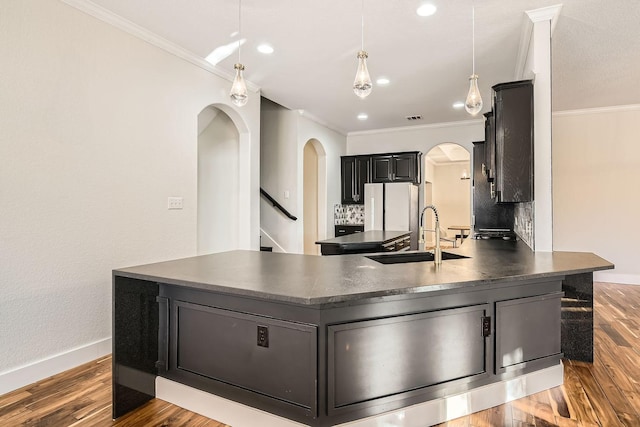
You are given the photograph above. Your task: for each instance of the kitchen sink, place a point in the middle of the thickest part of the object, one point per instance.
(411, 257)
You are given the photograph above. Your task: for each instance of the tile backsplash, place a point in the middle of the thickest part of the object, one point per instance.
(348, 214)
(523, 226)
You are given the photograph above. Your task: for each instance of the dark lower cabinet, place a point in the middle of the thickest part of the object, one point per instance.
(274, 358)
(327, 364)
(527, 331)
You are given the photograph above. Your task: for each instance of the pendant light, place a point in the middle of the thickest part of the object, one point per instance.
(238, 92)
(362, 84)
(473, 104)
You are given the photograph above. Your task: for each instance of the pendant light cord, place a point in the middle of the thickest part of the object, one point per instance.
(362, 26)
(239, 28)
(473, 38)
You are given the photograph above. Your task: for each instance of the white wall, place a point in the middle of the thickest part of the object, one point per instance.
(98, 129)
(284, 134)
(596, 162)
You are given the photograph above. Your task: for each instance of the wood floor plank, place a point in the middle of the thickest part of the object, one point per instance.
(604, 394)
(601, 405)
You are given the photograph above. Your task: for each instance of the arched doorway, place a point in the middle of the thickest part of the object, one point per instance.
(314, 196)
(218, 181)
(448, 187)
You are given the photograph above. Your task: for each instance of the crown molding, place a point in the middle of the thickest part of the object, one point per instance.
(473, 122)
(550, 13)
(597, 110)
(318, 120)
(144, 34)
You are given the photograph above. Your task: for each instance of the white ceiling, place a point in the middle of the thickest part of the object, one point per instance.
(596, 51)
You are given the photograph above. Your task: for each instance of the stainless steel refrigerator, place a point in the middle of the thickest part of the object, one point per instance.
(392, 207)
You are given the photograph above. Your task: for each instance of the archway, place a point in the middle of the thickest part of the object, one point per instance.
(448, 186)
(218, 182)
(314, 196)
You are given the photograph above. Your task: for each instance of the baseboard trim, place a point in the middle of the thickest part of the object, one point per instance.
(36, 371)
(424, 414)
(623, 279)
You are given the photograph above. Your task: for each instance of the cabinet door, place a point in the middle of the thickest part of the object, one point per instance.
(348, 175)
(381, 168)
(514, 141)
(527, 331)
(405, 167)
(363, 176)
(270, 357)
(436, 347)
(489, 147)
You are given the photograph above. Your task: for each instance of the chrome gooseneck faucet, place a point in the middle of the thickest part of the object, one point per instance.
(437, 252)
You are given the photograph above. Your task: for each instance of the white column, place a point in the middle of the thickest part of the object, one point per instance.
(535, 62)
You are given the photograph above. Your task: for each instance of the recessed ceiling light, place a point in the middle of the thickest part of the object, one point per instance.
(426, 9)
(382, 81)
(265, 48)
(363, 116)
(458, 105)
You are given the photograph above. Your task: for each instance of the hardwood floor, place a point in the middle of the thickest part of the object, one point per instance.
(605, 393)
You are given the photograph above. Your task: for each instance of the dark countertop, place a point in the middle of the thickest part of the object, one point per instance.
(318, 280)
(371, 237)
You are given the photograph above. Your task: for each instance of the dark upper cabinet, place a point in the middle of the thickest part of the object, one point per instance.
(513, 115)
(489, 159)
(396, 167)
(486, 212)
(382, 169)
(355, 173)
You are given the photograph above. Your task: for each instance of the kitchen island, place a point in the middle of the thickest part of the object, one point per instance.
(329, 340)
(369, 241)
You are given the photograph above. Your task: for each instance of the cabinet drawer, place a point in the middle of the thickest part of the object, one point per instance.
(527, 329)
(224, 346)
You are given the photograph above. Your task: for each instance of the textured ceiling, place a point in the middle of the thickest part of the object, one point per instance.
(596, 51)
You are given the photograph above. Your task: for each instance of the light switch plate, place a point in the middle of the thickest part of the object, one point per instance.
(174, 203)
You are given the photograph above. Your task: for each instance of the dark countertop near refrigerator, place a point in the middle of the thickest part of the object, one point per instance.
(318, 280)
(376, 237)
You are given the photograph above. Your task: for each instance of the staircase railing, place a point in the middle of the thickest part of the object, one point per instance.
(277, 205)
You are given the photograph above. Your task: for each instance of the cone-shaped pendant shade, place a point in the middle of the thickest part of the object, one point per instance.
(473, 104)
(238, 92)
(362, 84)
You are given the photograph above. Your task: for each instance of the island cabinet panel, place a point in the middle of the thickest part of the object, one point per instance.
(391, 358)
(272, 358)
(527, 331)
(135, 343)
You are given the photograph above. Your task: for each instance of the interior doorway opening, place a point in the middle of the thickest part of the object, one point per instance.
(218, 182)
(314, 192)
(448, 186)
